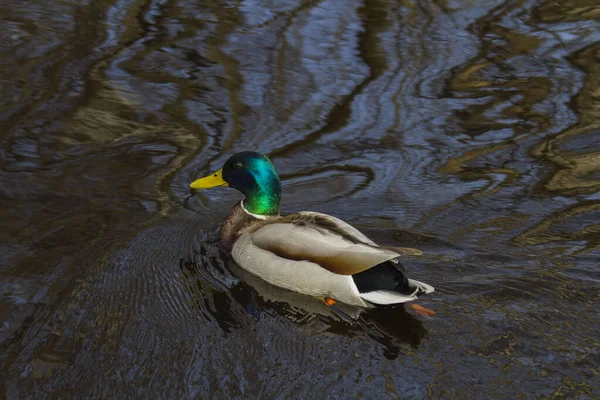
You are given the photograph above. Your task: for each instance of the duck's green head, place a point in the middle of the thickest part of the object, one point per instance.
(254, 175)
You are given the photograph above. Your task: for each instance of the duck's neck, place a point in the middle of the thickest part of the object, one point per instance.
(263, 201)
(238, 222)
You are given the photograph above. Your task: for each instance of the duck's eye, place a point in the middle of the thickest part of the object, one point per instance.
(237, 165)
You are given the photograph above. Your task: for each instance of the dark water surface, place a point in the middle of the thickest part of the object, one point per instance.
(468, 129)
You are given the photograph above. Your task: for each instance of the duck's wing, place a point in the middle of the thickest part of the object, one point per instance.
(323, 240)
(325, 221)
(346, 230)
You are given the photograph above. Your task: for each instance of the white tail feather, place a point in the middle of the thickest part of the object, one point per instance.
(390, 297)
(423, 286)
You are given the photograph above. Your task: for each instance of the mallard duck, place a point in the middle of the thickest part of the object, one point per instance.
(307, 252)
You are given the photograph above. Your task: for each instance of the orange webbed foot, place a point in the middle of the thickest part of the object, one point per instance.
(329, 301)
(422, 310)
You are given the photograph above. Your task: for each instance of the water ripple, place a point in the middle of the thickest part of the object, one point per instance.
(467, 130)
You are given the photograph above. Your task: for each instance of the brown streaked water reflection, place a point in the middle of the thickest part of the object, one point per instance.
(468, 130)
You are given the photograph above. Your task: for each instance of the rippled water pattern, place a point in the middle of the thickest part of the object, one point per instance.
(468, 129)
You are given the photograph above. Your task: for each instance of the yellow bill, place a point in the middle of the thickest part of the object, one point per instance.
(213, 180)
